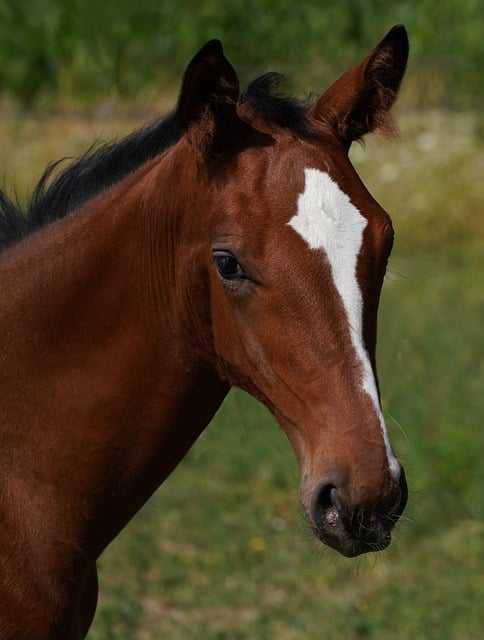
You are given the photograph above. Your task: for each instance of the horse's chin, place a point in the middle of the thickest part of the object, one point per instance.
(351, 547)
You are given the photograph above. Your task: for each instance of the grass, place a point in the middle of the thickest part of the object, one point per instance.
(221, 550)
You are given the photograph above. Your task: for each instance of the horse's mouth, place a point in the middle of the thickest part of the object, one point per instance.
(351, 538)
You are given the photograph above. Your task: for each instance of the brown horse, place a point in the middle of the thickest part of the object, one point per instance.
(231, 243)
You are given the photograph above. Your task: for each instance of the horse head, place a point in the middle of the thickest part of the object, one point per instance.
(295, 253)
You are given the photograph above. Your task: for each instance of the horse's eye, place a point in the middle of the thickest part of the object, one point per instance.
(228, 266)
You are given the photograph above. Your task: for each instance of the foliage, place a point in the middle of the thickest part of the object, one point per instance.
(86, 48)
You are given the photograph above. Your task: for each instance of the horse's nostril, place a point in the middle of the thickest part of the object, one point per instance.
(326, 505)
(326, 496)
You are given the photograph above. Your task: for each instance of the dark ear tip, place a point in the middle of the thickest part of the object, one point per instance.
(398, 30)
(397, 36)
(212, 47)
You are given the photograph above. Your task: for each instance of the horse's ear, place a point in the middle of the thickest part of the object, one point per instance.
(208, 98)
(360, 100)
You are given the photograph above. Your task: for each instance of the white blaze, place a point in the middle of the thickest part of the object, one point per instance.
(326, 219)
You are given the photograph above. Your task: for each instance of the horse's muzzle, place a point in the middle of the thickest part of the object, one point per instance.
(355, 530)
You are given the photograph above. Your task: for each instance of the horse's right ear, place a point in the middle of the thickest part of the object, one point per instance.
(360, 100)
(208, 98)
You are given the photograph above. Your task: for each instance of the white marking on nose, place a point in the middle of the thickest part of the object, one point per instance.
(327, 219)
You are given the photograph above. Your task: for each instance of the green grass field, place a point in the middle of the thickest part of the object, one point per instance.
(222, 551)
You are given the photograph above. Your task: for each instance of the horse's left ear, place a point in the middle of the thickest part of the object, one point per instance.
(360, 100)
(208, 98)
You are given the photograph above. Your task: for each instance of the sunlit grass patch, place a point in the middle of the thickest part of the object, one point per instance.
(429, 179)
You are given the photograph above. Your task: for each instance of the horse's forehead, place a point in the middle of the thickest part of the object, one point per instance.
(325, 217)
(308, 185)
(285, 165)
(297, 174)
(327, 220)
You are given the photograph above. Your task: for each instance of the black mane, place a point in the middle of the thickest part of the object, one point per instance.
(59, 193)
(100, 167)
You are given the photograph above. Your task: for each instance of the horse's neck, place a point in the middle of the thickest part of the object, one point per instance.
(101, 397)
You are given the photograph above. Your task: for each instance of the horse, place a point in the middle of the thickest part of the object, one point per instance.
(230, 243)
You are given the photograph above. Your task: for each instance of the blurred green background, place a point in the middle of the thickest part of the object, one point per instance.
(52, 49)
(221, 550)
